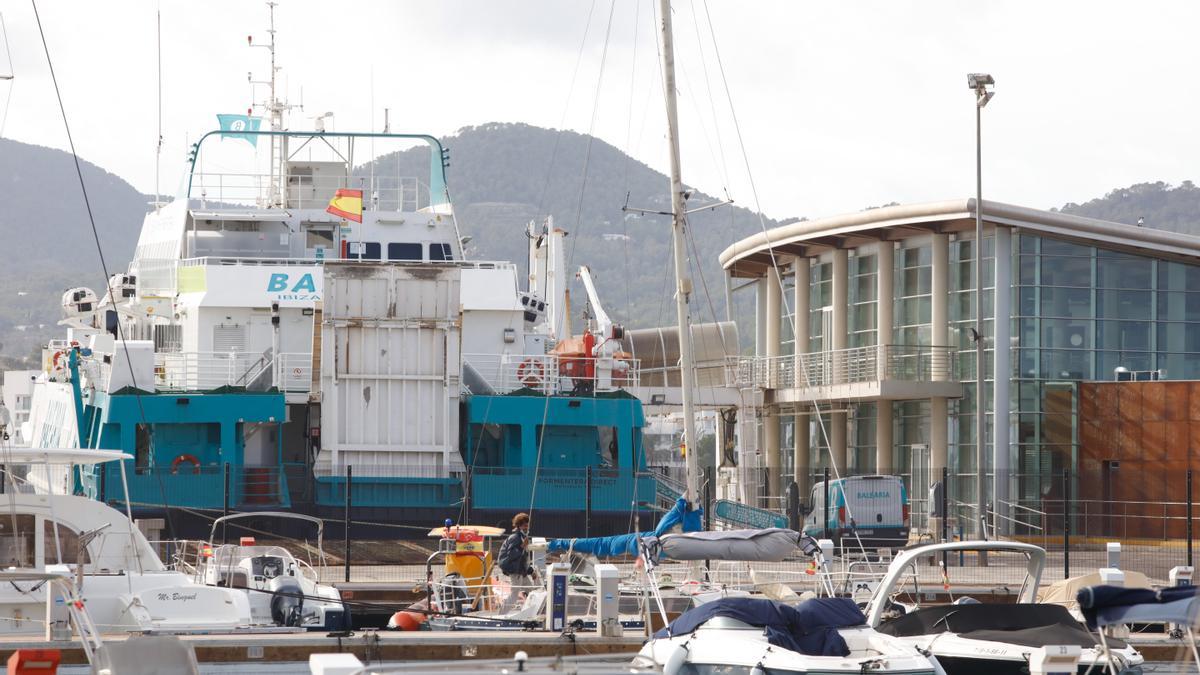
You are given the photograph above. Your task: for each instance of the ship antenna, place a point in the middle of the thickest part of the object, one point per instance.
(274, 109)
(158, 150)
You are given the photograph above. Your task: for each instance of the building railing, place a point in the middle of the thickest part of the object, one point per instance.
(912, 363)
(205, 371)
(306, 191)
(552, 374)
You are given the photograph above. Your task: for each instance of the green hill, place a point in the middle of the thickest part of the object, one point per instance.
(501, 177)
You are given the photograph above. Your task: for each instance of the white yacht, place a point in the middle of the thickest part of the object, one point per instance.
(970, 637)
(121, 581)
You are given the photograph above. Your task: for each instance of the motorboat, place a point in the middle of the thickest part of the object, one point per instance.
(745, 635)
(281, 590)
(969, 637)
(118, 576)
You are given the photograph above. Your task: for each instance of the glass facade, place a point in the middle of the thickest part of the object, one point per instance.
(861, 293)
(1078, 312)
(820, 303)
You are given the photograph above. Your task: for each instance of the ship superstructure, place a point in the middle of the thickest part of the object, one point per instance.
(263, 345)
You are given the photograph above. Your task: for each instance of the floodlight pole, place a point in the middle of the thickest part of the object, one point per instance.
(979, 83)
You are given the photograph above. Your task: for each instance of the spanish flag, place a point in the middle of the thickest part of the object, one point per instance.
(347, 204)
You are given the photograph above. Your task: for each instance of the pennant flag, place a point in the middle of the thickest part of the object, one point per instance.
(236, 126)
(347, 204)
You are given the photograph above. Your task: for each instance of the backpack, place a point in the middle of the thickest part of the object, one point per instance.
(512, 556)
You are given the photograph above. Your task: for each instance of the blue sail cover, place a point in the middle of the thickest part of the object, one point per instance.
(1106, 605)
(808, 628)
(627, 544)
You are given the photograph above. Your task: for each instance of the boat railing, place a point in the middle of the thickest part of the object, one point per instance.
(552, 374)
(205, 371)
(308, 191)
(912, 363)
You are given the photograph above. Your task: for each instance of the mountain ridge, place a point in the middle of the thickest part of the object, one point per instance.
(501, 176)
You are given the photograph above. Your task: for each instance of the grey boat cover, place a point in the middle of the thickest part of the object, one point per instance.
(770, 545)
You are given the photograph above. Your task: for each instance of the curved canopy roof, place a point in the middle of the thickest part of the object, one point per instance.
(752, 256)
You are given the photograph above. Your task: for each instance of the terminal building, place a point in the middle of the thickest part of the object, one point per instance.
(864, 356)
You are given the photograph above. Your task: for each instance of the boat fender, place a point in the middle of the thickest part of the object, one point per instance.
(531, 373)
(675, 659)
(185, 458)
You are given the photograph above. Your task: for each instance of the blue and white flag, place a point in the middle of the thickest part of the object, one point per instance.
(236, 126)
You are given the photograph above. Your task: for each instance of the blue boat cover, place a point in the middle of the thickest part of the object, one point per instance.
(627, 544)
(809, 628)
(1105, 605)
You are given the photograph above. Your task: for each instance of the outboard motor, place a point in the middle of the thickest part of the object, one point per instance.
(287, 601)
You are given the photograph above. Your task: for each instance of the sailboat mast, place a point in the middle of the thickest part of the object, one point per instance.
(683, 285)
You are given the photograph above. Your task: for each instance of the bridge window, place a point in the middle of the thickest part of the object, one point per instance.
(363, 250)
(404, 251)
(440, 251)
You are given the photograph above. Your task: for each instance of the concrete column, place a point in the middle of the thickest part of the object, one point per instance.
(938, 424)
(803, 269)
(771, 431)
(801, 440)
(883, 437)
(800, 454)
(1002, 367)
(841, 284)
(885, 296)
(940, 315)
(760, 317)
(837, 439)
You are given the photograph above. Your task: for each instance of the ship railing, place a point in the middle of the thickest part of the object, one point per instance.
(295, 372)
(913, 363)
(306, 191)
(205, 371)
(552, 374)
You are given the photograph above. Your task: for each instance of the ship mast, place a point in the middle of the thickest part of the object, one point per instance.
(683, 285)
(275, 109)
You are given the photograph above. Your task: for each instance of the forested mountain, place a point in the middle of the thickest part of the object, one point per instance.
(501, 177)
(1159, 205)
(47, 240)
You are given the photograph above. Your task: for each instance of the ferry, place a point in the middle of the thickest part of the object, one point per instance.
(299, 329)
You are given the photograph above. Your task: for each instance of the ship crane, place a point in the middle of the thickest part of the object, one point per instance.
(594, 360)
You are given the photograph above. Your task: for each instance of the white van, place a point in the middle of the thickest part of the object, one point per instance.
(870, 509)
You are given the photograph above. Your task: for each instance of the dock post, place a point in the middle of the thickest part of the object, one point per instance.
(1189, 517)
(587, 499)
(826, 478)
(225, 504)
(1066, 524)
(346, 517)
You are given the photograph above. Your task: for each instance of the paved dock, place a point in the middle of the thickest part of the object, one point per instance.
(368, 646)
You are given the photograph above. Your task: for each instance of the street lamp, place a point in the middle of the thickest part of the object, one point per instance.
(979, 83)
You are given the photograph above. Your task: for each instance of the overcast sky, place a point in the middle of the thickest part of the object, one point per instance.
(841, 105)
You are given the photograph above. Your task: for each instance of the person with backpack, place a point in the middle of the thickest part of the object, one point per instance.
(514, 561)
